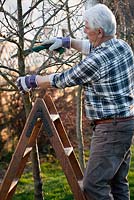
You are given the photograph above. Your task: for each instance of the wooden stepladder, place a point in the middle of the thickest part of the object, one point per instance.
(44, 114)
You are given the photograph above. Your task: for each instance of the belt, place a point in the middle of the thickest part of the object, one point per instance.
(103, 121)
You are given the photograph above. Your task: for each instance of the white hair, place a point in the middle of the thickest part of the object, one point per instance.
(100, 16)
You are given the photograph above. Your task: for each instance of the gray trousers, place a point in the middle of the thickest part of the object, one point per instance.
(105, 177)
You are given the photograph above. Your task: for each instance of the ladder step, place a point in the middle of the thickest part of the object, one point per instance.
(27, 151)
(68, 150)
(14, 183)
(54, 117)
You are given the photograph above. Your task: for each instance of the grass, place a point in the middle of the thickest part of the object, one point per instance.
(131, 175)
(55, 186)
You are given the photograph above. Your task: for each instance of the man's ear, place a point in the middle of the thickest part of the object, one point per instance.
(100, 33)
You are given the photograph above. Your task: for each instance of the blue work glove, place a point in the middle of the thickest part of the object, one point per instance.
(58, 42)
(26, 83)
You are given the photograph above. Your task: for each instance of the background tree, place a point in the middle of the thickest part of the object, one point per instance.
(123, 10)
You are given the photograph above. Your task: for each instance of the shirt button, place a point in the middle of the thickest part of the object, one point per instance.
(103, 45)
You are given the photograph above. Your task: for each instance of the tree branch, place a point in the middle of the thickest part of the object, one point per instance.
(10, 69)
(33, 7)
(8, 14)
(8, 80)
(36, 35)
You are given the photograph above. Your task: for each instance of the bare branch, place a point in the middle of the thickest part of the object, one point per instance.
(9, 39)
(36, 35)
(8, 80)
(8, 14)
(8, 68)
(33, 7)
(7, 90)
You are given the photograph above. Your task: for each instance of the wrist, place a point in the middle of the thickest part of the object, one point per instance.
(32, 81)
(43, 81)
(29, 81)
(66, 42)
(38, 80)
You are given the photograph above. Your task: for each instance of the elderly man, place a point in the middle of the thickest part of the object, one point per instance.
(107, 76)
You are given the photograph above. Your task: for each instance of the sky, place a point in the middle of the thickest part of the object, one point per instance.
(11, 4)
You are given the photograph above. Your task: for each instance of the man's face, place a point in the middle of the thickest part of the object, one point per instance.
(91, 34)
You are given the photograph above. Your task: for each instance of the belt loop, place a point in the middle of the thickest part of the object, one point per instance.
(93, 125)
(114, 121)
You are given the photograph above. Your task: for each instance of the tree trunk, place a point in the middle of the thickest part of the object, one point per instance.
(124, 14)
(38, 194)
(125, 20)
(27, 104)
(79, 127)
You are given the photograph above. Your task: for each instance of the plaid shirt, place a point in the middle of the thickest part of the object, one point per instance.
(107, 76)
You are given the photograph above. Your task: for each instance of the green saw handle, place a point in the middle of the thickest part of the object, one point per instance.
(26, 52)
(44, 46)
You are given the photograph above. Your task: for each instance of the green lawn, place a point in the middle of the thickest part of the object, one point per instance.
(131, 175)
(55, 186)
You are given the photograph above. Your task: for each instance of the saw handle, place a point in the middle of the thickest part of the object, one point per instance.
(26, 52)
(60, 50)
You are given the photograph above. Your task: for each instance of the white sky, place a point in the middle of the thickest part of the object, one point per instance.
(11, 4)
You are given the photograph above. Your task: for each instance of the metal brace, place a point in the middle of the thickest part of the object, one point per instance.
(39, 114)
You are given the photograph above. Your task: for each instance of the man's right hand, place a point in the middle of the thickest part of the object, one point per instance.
(57, 42)
(26, 83)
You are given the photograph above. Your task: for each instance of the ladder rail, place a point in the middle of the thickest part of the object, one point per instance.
(63, 135)
(67, 168)
(16, 165)
(59, 142)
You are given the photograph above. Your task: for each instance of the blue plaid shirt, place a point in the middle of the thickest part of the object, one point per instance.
(107, 76)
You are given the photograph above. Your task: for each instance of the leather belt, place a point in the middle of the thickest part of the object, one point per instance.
(104, 121)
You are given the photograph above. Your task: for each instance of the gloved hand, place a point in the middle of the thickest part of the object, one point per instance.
(58, 42)
(26, 83)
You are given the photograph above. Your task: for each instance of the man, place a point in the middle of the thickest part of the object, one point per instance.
(107, 76)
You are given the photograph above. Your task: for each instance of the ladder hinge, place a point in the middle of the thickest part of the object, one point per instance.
(39, 115)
